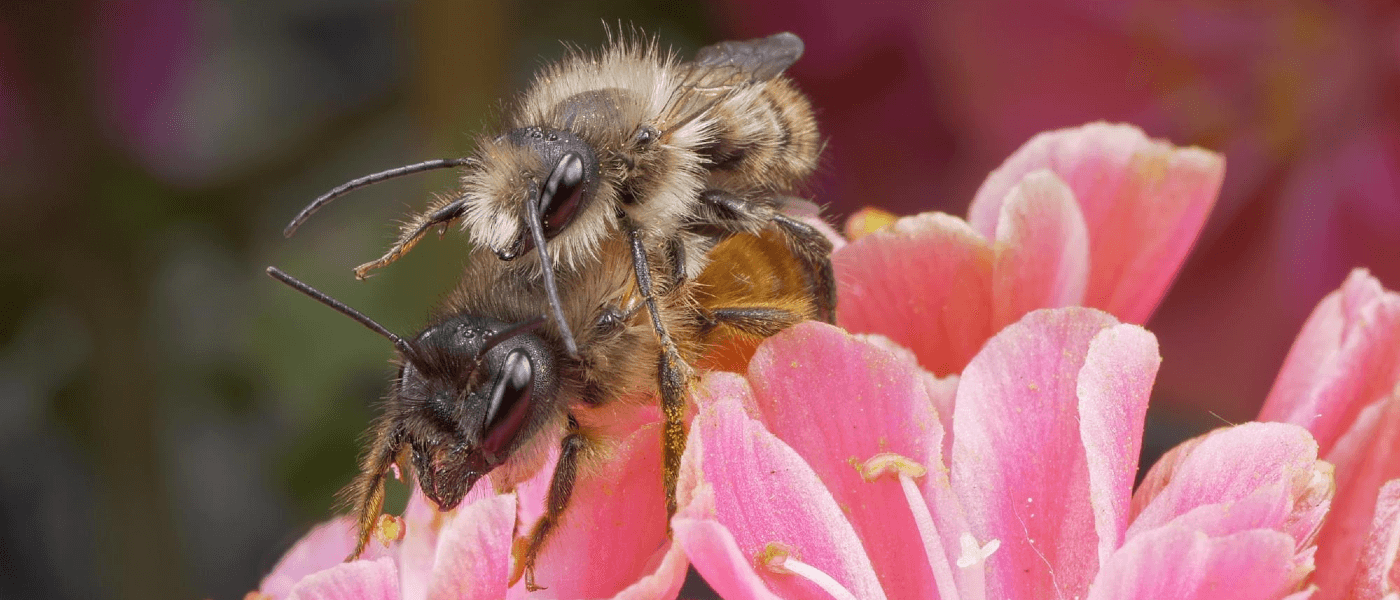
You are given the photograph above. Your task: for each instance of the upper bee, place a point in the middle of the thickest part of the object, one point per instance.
(627, 144)
(593, 138)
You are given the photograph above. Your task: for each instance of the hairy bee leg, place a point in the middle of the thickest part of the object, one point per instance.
(561, 488)
(413, 231)
(675, 253)
(673, 376)
(811, 247)
(814, 250)
(367, 491)
(757, 321)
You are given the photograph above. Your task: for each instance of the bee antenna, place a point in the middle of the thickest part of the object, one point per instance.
(373, 178)
(532, 222)
(400, 344)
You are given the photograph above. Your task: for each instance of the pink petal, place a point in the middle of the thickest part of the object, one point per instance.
(925, 283)
(324, 547)
(837, 399)
(473, 558)
(663, 582)
(1144, 202)
(359, 580)
(1366, 460)
(424, 525)
(761, 491)
(1255, 475)
(1042, 250)
(944, 391)
(1176, 563)
(717, 556)
(1113, 389)
(1379, 572)
(1018, 463)
(1346, 357)
(618, 497)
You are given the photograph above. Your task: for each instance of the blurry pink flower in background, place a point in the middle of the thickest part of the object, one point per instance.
(1013, 481)
(920, 99)
(1342, 381)
(1097, 215)
(143, 55)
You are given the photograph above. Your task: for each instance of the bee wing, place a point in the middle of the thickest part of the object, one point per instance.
(755, 60)
(721, 69)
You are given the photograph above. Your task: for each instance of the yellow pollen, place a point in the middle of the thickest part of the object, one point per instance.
(388, 529)
(773, 556)
(868, 220)
(889, 463)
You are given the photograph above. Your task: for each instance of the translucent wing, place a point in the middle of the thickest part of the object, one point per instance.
(724, 68)
(755, 60)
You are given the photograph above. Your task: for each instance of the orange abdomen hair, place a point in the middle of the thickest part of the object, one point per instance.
(749, 272)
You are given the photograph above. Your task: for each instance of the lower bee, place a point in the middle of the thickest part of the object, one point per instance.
(488, 386)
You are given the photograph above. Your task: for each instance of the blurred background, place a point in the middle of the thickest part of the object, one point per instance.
(172, 419)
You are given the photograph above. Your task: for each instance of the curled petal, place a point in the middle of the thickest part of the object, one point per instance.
(924, 283)
(713, 550)
(1255, 475)
(1378, 575)
(359, 580)
(832, 396)
(324, 547)
(1346, 357)
(473, 551)
(762, 492)
(1114, 386)
(1144, 202)
(1177, 563)
(1366, 459)
(1019, 458)
(1042, 250)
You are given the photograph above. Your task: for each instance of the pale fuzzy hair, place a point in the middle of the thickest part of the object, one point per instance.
(647, 85)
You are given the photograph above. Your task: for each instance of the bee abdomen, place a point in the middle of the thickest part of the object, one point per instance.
(765, 138)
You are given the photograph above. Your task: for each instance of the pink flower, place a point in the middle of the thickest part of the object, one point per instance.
(921, 98)
(839, 468)
(1096, 216)
(617, 512)
(1342, 381)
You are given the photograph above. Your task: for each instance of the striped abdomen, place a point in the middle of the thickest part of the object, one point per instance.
(765, 139)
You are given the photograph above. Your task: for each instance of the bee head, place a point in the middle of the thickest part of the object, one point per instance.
(561, 190)
(472, 394)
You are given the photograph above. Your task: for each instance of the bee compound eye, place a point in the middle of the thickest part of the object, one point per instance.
(510, 402)
(562, 194)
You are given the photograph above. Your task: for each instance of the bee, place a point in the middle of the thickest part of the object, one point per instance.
(487, 386)
(633, 155)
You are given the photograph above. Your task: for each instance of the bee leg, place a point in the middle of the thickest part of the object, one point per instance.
(814, 250)
(758, 321)
(367, 491)
(561, 488)
(673, 376)
(675, 254)
(811, 247)
(413, 231)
